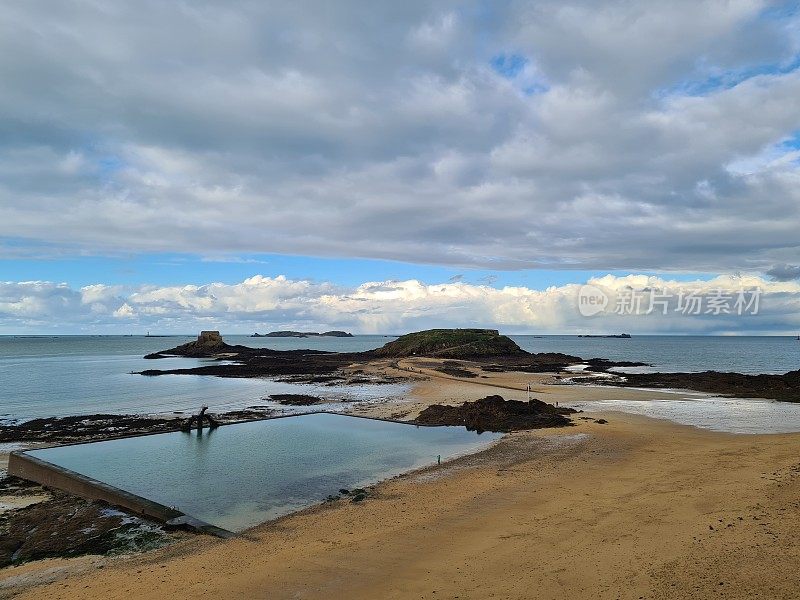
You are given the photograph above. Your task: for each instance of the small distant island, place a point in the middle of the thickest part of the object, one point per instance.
(623, 336)
(302, 334)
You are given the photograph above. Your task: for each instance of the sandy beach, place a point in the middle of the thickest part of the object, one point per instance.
(635, 508)
(400, 300)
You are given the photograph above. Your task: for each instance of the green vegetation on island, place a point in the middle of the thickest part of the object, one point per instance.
(451, 343)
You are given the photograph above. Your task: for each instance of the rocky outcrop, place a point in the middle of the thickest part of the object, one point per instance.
(64, 526)
(296, 399)
(494, 413)
(84, 428)
(208, 343)
(450, 343)
(551, 362)
(785, 387)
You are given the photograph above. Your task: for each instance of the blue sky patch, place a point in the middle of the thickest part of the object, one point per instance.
(180, 269)
(508, 65)
(727, 79)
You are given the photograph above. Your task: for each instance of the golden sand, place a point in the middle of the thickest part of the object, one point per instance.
(636, 508)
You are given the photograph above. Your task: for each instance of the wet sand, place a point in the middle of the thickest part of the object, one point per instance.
(636, 508)
(433, 387)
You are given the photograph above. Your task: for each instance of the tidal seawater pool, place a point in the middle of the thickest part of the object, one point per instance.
(237, 476)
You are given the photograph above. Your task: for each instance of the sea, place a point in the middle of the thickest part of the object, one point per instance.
(47, 376)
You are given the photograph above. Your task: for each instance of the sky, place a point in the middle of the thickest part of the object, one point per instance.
(380, 167)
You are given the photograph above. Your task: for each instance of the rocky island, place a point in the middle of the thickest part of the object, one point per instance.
(621, 336)
(451, 343)
(485, 349)
(302, 334)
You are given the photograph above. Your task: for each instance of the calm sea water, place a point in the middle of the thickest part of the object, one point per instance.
(241, 475)
(763, 354)
(75, 375)
(71, 375)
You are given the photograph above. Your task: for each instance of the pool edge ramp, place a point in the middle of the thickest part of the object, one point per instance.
(30, 468)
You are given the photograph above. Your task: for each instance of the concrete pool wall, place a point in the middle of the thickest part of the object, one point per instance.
(49, 475)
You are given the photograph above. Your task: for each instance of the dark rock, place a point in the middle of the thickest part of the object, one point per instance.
(260, 362)
(542, 362)
(455, 369)
(785, 387)
(97, 427)
(69, 526)
(65, 429)
(296, 399)
(551, 362)
(603, 364)
(251, 413)
(358, 494)
(494, 413)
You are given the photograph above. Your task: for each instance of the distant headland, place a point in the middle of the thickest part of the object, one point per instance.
(302, 334)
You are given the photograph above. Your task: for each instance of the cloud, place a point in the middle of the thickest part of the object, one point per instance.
(262, 303)
(784, 272)
(616, 135)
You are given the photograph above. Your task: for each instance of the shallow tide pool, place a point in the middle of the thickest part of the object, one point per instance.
(730, 415)
(241, 475)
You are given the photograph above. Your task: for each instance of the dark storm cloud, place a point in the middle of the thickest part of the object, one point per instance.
(784, 272)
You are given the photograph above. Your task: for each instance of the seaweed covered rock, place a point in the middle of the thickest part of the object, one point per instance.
(784, 387)
(494, 413)
(296, 399)
(84, 427)
(65, 525)
(450, 343)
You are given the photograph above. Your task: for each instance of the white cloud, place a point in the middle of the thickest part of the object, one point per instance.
(125, 312)
(264, 303)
